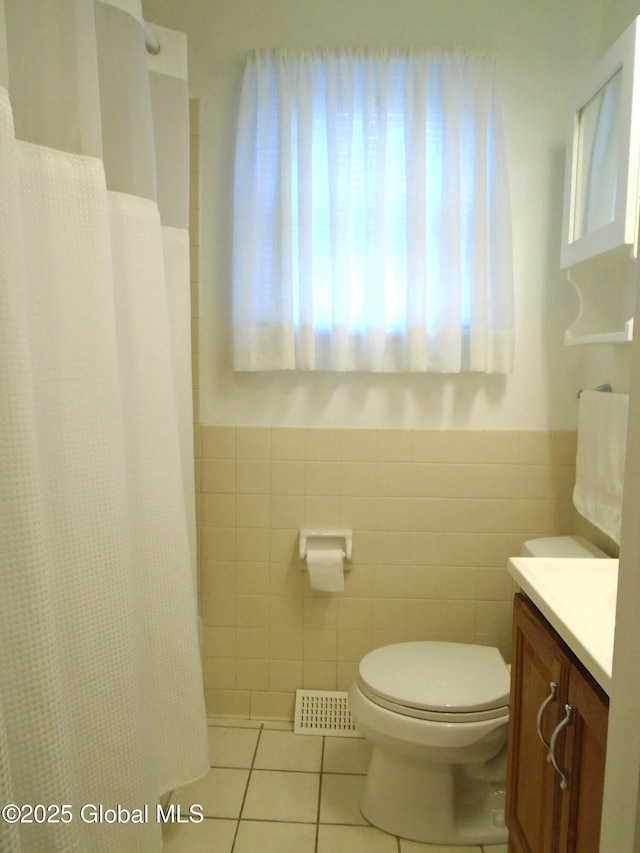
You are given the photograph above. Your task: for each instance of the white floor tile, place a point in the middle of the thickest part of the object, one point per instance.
(277, 725)
(234, 722)
(355, 839)
(288, 751)
(417, 847)
(256, 836)
(340, 799)
(285, 796)
(220, 792)
(346, 755)
(199, 837)
(280, 809)
(232, 747)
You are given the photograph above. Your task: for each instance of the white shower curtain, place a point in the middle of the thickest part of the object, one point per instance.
(101, 700)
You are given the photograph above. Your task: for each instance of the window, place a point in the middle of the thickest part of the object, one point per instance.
(371, 215)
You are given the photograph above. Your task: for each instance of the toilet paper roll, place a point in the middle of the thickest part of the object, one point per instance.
(326, 569)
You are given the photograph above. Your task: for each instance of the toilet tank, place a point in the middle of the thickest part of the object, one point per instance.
(561, 546)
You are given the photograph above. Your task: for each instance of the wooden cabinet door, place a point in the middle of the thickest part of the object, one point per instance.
(585, 754)
(533, 793)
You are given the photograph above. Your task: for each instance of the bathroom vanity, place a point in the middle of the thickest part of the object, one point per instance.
(562, 650)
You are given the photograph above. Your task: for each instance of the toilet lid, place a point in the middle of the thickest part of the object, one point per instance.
(440, 677)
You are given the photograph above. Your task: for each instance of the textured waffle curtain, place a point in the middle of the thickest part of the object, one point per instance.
(372, 225)
(101, 698)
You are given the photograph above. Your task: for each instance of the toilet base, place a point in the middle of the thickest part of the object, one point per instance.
(436, 803)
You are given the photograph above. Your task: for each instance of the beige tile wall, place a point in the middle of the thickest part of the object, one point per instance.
(435, 516)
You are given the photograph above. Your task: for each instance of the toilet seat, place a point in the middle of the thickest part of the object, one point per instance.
(444, 682)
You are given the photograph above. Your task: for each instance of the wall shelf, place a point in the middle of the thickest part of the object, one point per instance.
(605, 287)
(623, 337)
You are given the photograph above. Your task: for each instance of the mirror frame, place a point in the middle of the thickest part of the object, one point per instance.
(621, 232)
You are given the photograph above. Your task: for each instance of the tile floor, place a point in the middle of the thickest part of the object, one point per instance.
(271, 791)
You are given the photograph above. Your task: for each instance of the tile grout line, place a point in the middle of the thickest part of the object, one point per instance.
(246, 788)
(321, 775)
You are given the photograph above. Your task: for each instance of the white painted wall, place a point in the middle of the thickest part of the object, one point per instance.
(621, 811)
(540, 59)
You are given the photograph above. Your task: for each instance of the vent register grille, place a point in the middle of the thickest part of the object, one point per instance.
(323, 712)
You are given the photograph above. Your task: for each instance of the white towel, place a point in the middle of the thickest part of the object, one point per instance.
(602, 434)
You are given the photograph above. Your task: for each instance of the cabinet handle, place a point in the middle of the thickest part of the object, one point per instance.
(551, 757)
(553, 687)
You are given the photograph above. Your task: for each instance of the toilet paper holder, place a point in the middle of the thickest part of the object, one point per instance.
(329, 538)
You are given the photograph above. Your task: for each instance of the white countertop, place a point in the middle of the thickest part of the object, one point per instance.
(578, 597)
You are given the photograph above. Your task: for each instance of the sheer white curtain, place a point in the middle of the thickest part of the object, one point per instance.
(371, 214)
(101, 698)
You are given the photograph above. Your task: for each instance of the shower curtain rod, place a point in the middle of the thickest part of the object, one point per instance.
(151, 42)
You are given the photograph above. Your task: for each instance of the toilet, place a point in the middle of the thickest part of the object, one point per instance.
(436, 714)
